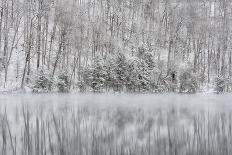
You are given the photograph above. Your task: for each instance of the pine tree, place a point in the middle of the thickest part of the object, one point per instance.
(120, 72)
(43, 82)
(222, 84)
(132, 80)
(63, 82)
(144, 76)
(188, 81)
(96, 76)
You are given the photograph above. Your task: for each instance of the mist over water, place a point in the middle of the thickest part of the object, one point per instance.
(212, 102)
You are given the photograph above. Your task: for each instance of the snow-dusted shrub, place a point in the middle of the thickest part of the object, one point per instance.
(63, 82)
(82, 87)
(188, 81)
(166, 80)
(160, 89)
(140, 73)
(165, 84)
(43, 82)
(140, 76)
(96, 76)
(222, 84)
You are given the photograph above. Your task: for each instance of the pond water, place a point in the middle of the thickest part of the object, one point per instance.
(116, 123)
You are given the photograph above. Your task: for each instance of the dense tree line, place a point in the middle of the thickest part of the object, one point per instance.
(116, 45)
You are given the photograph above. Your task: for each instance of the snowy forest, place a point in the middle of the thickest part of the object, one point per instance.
(137, 46)
(115, 77)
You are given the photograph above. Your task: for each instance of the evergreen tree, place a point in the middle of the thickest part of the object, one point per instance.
(96, 76)
(63, 82)
(120, 72)
(132, 80)
(43, 82)
(144, 76)
(188, 81)
(222, 84)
